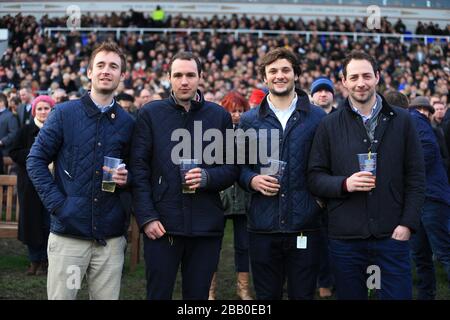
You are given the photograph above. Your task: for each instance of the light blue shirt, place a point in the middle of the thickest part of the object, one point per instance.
(372, 112)
(103, 108)
(283, 115)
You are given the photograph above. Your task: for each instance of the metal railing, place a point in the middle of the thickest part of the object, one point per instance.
(260, 33)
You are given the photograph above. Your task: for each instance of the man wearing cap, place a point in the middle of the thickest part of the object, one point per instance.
(370, 215)
(256, 97)
(433, 236)
(322, 93)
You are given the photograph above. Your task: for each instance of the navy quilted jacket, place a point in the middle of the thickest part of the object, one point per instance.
(294, 208)
(76, 137)
(156, 178)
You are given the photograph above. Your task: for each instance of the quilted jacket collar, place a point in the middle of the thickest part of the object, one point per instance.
(196, 103)
(91, 109)
(303, 103)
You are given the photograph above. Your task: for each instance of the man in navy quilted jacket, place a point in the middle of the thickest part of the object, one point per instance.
(87, 224)
(283, 220)
(180, 227)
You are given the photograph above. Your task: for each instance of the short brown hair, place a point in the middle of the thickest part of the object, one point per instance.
(188, 56)
(109, 46)
(277, 54)
(358, 55)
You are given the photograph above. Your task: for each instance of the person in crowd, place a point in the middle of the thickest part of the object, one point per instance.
(8, 128)
(432, 236)
(374, 205)
(322, 93)
(88, 224)
(284, 217)
(256, 97)
(34, 222)
(235, 203)
(180, 227)
(24, 109)
(395, 98)
(126, 102)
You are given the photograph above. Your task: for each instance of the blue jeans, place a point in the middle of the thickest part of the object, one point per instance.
(351, 259)
(432, 237)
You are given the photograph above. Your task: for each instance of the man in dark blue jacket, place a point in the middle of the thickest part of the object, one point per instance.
(369, 221)
(178, 227)
(433, 235)
(283, 220)
(87, 224)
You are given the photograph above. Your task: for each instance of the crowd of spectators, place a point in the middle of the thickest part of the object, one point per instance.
(49, 64)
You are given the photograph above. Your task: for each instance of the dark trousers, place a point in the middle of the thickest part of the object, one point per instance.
(240, 233)
(198, 257)
(432, 237)
(38, 253)
(325, 278)
(351, 259)
(275, 258)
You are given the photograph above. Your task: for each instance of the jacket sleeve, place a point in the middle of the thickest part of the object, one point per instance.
(224, 175)
(246, 170)
(414, 182)
(19, 151)
(320, 180)
(140, 167)
(12, 128)
(44, 150)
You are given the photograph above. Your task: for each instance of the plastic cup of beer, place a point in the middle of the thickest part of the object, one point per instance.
(275, 168)
(109, 165)
(368, 162)
(185, 166)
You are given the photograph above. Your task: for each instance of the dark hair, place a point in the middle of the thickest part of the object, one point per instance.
(277, 54)
(188, 56)
(124, 97)
(234, 99)
(396, 98)
(358, 55)
(4, 99)
(108, 46)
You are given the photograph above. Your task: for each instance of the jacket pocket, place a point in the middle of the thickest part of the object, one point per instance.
(159, 189)
(71, 163)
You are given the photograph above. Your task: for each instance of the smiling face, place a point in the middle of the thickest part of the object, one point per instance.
(361, 81)
(105, 73)
(280, 77)
(184, 79)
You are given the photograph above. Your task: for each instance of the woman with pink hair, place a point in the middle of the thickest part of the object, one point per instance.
(34, 224)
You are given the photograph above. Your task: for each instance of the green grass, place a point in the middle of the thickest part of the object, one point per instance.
(14, 284)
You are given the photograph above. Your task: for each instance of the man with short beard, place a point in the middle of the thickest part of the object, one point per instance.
(369, 220)
(88, 225)
(283, 219)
